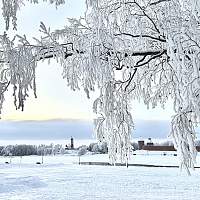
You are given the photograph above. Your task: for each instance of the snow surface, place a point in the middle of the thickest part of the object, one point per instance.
(60, 178)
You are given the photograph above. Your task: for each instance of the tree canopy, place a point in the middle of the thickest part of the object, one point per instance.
(147, 50)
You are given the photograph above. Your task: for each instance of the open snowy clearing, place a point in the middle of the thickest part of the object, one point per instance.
(60, 178)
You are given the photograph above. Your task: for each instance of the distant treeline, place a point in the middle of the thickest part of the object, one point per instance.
(26, 150)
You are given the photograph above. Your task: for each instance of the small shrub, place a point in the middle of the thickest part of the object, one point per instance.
(82, 150)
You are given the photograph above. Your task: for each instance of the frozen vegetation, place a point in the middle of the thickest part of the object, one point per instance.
(144, 50)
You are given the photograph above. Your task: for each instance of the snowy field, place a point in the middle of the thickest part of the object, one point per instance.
(61, 178)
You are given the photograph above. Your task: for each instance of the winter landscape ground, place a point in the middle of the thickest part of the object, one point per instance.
(61, 178)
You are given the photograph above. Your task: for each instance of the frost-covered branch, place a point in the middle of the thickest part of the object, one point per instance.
(143, 49)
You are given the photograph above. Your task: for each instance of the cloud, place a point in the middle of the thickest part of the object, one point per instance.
(79, 129)
(49, 129)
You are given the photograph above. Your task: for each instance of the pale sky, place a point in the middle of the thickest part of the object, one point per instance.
(55, 100)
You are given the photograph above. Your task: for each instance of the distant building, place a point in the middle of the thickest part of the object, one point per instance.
(140, 144)
(158, 148)
(66, 147)
(72, 143)
(149, 143)
(151, 147)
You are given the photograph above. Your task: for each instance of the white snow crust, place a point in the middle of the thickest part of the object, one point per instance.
(61, 178)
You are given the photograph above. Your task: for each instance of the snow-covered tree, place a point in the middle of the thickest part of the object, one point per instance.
(147, 50)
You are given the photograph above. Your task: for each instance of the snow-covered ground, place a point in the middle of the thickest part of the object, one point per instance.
(60, 178)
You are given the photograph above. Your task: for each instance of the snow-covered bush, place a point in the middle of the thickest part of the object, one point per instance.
(134, 145)
(1, 150)
(101, 147)
(7, 150)
(24, 150)
(82, 150)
